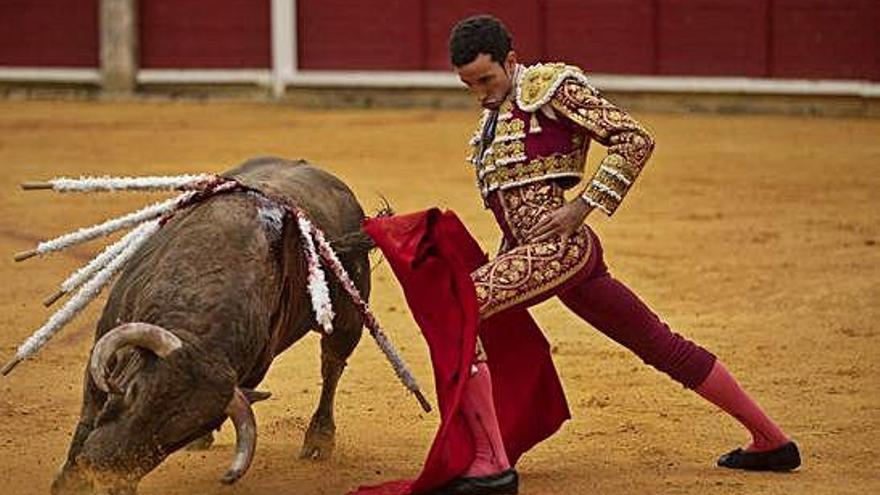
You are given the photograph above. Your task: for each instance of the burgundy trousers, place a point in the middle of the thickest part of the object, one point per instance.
(524, 274)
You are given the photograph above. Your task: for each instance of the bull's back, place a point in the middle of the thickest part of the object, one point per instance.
(325, 198)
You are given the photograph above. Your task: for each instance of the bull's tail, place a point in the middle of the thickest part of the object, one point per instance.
(351, 243)
(359, 242)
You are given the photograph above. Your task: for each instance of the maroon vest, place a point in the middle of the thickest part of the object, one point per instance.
(528, 147)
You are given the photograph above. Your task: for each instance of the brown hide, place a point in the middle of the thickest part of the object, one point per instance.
(233, 289)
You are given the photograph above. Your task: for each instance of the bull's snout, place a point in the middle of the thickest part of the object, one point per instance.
(71, 480)
(113, 463)
(81, 479)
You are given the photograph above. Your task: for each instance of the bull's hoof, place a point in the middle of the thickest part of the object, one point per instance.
(204, 442)
(319, 442)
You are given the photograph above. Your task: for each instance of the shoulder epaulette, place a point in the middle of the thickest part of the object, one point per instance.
(537, 83)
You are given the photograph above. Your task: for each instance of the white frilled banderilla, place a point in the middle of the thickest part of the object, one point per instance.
(89, 280)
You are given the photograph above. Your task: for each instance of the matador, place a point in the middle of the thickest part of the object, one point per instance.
(529, 148)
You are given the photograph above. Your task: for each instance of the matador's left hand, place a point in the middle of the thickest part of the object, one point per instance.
(562, 222)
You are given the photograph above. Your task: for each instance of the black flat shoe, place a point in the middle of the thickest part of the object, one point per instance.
(503, 483)
(784, 458)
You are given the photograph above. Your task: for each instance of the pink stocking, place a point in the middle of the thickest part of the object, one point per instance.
(721, 389)
(479, 412)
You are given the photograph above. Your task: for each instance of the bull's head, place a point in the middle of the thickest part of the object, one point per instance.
(163, 390)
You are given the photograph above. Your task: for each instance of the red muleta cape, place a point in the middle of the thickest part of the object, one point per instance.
(432, 254)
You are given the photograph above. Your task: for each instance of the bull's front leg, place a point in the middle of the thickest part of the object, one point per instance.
(320, 438)
(335, 349)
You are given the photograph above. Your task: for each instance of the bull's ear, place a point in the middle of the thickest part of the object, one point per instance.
(255, 395)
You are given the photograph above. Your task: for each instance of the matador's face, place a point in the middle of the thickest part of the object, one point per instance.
(489, 81)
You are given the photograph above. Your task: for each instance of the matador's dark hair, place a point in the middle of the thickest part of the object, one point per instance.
(476, 35)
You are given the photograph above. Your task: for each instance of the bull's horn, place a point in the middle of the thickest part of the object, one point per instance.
(255, 395)
(152, 337)
(242, 416)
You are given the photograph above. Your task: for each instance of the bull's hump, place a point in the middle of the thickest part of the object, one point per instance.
(324, 197)
(232, 215)
(223, 233)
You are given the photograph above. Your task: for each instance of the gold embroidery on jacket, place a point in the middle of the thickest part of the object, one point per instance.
(504, 162)
(538, 82)
(539, 168)
(566, 90)
(510, 130)
(527, 271)
(629, 144)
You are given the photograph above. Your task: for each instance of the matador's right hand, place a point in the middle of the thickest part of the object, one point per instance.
(562, 222)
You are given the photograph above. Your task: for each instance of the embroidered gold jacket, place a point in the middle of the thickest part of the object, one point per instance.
(543, 131)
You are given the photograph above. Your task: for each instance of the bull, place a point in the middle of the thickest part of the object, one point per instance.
(195, 319)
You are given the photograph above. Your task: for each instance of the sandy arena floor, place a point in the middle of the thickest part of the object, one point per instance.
(758, 237)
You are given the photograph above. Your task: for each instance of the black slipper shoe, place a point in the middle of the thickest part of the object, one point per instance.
(784, 458)
(503, 483)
